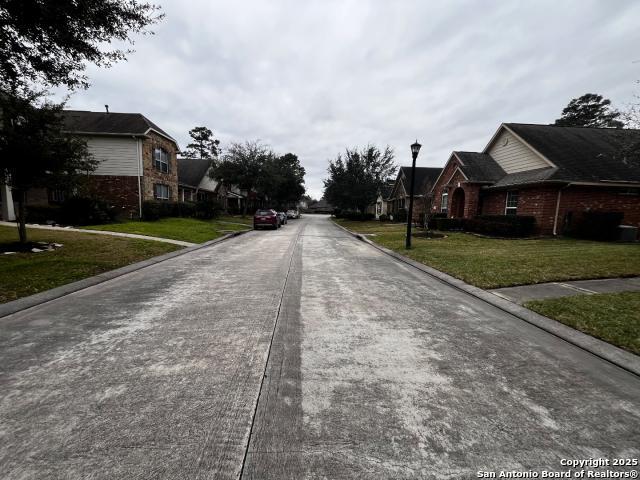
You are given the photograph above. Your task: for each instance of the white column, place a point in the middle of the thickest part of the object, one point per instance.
(8, 214)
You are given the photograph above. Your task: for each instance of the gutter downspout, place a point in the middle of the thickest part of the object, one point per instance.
(139, 178)
(555, 219)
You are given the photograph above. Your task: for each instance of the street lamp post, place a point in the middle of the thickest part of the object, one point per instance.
(415, 148)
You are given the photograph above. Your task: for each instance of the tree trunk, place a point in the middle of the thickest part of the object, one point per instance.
(22, 220)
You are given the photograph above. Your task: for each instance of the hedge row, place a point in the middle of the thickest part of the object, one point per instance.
(204, 209)
(593, 225)
(73, 211)
(493, 225)
(502, 225)
(354, 215)
(94, 211)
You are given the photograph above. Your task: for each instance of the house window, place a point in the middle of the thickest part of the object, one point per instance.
(161, 192)
(161, 160)
(444, 203)
(511, 207)
(56, 195)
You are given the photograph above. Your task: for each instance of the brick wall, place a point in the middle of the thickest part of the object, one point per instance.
(540, 202)
(151, 175)
(36, 197)
(121, 191)
(579, 199)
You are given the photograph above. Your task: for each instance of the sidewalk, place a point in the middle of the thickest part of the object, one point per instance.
(541, 291)
(101, 232)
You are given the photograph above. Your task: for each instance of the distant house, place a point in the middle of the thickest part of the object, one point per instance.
(321, 206)
(195, 184)
(381, 205)
(399, 197)
(545, 171)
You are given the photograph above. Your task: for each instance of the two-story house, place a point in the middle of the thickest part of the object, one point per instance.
(138, 160)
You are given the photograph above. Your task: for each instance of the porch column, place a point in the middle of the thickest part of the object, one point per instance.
(8, 214)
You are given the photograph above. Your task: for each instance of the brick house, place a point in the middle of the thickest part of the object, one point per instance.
(137, 161)
(545, 171)
(399, 196)
(381, 207)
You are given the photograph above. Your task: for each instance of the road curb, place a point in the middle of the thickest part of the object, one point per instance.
(619, 357)
(25, 303)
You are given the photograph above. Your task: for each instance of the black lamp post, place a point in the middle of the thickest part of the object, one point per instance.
(415, 148)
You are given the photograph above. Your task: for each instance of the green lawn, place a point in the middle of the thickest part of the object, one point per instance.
(492, 263)
(612, 317)
(83, 255)
(185, 229)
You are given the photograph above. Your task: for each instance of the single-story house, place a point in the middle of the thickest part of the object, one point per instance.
(546, 171)
(137, 161)
(195, 184)
(399, 197)
(381, 205)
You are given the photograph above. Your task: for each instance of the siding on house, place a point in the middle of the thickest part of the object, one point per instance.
(513, 155)
(208, 184)
(118, 156)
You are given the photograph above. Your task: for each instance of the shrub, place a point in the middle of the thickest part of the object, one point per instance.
(593, 225)
(433, 218)
(383, 217)
(400, 216)
(86, 211)
(354, 215)
(155, 210)
(207, 209)
(186, 209)
(449, 224)
(43, 214)
(502, 225)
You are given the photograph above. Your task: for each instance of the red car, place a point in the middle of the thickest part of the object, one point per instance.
(266, 218)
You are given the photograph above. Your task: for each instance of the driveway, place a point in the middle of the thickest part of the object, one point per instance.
(299, 353)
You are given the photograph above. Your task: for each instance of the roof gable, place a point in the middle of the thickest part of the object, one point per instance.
(479, 167)
(191, 171)
(583, 154)
(513, 153)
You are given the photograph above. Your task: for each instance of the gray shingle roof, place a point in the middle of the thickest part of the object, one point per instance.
(584, 154)
(387, 188)
(529, 176)
(192, 170)
(80, 121)
(480, 167)
(423, 175)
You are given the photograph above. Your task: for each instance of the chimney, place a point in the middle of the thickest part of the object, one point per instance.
(106, 107)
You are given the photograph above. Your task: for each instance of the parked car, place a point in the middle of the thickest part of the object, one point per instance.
(293, 213)
(266, 218)
(283, 218)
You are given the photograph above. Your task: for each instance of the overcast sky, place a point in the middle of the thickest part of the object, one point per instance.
(313, 77)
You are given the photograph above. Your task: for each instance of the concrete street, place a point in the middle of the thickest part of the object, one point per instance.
(297, 353)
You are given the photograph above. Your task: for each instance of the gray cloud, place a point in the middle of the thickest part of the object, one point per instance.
(315, 77)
